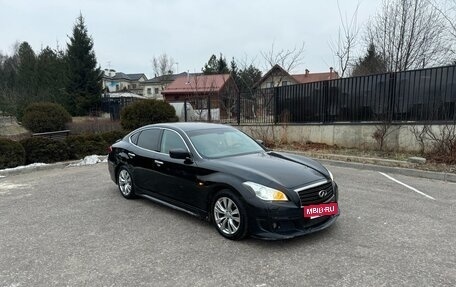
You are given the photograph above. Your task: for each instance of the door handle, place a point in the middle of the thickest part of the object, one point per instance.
(130, 154)
(158, 163)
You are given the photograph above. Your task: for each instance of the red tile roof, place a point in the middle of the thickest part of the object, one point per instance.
(315, 77)
(197, 83)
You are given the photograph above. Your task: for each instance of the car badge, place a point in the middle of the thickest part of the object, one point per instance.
(322, 193)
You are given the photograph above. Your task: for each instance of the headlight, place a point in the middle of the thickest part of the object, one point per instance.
(330, 175)
(266, 193)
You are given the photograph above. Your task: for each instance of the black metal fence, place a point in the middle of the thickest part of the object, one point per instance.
(426, 95)
(419, 95)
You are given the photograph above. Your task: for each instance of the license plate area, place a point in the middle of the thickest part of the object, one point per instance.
(318, 210)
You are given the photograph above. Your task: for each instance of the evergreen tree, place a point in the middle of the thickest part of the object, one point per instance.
(84, 77)
(247, 78)
(216, 66)
(25, 86)
(371, 63)
(51, 77)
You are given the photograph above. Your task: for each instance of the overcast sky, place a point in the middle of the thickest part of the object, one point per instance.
(128, 34)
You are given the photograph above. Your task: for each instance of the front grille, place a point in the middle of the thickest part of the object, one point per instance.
(311, 195)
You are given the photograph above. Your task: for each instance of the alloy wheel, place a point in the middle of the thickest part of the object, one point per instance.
(226, 215)
(125, 183)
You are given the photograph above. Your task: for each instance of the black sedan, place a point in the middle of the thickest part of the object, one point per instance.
(220, 174)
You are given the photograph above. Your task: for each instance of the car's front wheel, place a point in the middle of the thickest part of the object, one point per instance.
(125, 183)
(229, 215)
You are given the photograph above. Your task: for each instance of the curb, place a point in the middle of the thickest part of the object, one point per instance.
(377, 164)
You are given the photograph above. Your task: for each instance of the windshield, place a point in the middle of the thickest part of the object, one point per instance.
(214, 143)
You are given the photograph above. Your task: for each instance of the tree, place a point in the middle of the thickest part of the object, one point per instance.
(51, 77)
(247, 78)
(84, 77)
(346, 42)
(371, 63)
(408, 35)
(216, 66)
(163, 65)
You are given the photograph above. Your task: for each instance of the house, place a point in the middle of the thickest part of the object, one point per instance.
(116, 81)
(153, 88)
(215, 93)
(277, 77)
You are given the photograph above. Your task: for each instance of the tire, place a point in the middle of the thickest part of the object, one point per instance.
(229, 215)
(125, 183)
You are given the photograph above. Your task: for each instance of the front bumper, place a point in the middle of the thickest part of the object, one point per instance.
(275, 221)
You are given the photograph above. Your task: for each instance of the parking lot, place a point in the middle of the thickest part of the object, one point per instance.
(71, 227)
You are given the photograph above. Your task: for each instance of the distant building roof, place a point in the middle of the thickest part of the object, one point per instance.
(165, 78)
(197, 83)
(315, 77)
(123, 76)
(299, 78)
(124, 95)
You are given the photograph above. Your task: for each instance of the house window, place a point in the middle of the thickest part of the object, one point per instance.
(156, 91)
(284, 83)
(149, 91)
(269, 84)
(117, 87)
(133, 86)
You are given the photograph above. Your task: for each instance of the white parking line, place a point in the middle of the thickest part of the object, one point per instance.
(408, 186)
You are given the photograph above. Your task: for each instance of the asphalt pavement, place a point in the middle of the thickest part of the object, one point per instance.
(71, 227)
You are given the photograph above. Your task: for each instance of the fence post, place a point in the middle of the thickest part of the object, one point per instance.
(238, 109)
(325, 102)
(185, 110)
(209, 108)
(276, 104)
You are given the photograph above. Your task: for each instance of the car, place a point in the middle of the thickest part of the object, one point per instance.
(220, 174)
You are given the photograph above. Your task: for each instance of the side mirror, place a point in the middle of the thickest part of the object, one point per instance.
(259, 141)
(179, 153)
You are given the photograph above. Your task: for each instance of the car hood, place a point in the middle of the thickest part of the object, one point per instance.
(287, 170)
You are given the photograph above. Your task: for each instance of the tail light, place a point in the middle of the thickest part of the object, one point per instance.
(109, 149)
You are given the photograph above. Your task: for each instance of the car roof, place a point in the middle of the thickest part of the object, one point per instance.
(190, 126)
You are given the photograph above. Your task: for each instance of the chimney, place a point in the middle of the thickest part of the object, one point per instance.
(307, 72)
(330, 72)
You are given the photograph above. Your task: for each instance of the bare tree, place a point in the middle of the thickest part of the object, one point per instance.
(346, 42)
(288, 59)
(163, 65)
(447, 10)
(408, 34)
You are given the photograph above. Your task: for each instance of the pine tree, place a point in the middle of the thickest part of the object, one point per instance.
(84, 77)
(216, 66)
(372, 63)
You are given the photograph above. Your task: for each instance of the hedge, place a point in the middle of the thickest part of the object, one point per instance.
(45, 117)
(88, 144)
(45, 150)
(12, 153)
(146, 112)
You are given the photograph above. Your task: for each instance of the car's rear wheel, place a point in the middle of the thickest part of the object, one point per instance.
(229, 215)
(125, 183)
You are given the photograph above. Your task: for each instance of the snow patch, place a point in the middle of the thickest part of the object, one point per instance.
(89, 160)
(21, 167)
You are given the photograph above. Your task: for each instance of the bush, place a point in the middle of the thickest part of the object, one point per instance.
(89, 144)
(112, 136)
(45, 117)
(146, 112)
(45, 150)
(12, 153)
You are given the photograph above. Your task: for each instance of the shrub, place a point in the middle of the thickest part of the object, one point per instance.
(12, 153)
(146, 112)
(112, 136)
(38, 149)
(88, 144)
(45, 117)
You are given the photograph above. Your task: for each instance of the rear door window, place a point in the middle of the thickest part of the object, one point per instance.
(149, 139)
